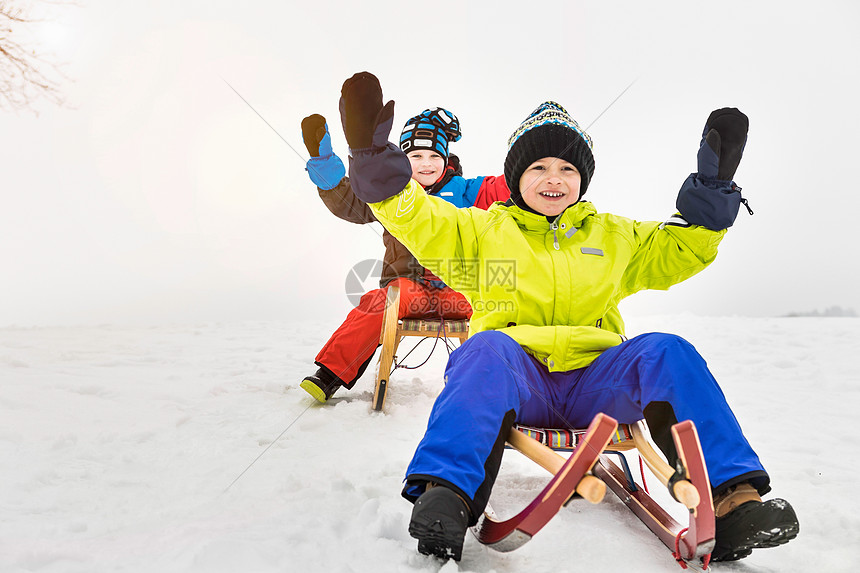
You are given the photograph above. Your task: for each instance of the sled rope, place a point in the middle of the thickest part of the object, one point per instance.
(440, 334)
(400, 363)
(267, 448)
(677, 552)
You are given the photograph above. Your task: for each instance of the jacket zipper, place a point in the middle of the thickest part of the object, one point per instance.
(554, 227)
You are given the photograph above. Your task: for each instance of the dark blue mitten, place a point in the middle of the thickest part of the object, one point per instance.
(710, 198)
(378, 169)
(324, 167)
(710, 203)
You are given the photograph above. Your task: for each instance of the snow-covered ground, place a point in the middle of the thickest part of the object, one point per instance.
(119, 445)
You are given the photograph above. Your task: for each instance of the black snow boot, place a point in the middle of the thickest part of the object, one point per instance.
(750, 524)
(439, 522)
(321, 385)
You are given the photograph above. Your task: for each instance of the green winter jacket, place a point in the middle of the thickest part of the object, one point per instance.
(553, 287)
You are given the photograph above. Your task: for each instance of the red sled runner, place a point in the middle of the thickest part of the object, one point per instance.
(690, 543)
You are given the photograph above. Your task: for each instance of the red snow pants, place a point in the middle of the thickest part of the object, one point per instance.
(355, 341)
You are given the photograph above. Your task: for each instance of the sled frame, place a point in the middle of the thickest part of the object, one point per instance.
(395, 329)
(690, 544)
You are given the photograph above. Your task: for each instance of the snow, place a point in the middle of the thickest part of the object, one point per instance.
(191, 448)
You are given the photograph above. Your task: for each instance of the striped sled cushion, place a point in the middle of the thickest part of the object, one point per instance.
(432, 326)
(566, 439)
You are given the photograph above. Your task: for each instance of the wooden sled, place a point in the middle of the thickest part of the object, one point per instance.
(690, 543)
(395, 329)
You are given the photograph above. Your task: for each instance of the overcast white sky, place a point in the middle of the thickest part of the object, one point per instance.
(158, 196)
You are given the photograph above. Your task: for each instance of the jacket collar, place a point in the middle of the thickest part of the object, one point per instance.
(573, 216)
(452, 169)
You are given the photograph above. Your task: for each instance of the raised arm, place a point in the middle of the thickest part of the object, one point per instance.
(327, 172)
(378, 169)
(665, 254)
(442, 237)
(708, 203)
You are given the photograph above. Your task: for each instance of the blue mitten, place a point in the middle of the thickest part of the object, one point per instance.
(324, 167)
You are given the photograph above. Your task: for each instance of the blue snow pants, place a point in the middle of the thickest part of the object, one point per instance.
(491, 381)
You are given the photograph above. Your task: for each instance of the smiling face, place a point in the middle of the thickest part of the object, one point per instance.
(550, 185)
(427, 166)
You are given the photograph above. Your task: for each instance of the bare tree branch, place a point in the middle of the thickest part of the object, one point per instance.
(25, 74)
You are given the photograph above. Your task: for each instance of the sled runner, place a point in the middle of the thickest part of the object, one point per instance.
(569, 478)
(691, 544)
(394, 329)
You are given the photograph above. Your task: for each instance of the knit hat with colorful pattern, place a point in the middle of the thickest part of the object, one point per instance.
(432, 129)
(548, 132)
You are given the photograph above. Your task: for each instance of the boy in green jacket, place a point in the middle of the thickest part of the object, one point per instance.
(544, 274)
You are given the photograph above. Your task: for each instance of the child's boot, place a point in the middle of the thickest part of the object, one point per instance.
(439, 522)
(322, 384)
(744, 522)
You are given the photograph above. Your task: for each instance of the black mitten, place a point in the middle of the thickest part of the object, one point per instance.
(378, 168)
(722, 144)
(362, 112)
(313, 130)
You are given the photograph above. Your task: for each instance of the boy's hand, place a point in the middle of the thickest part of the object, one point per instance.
(315, 132)
(366, 122)
(722, 144)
